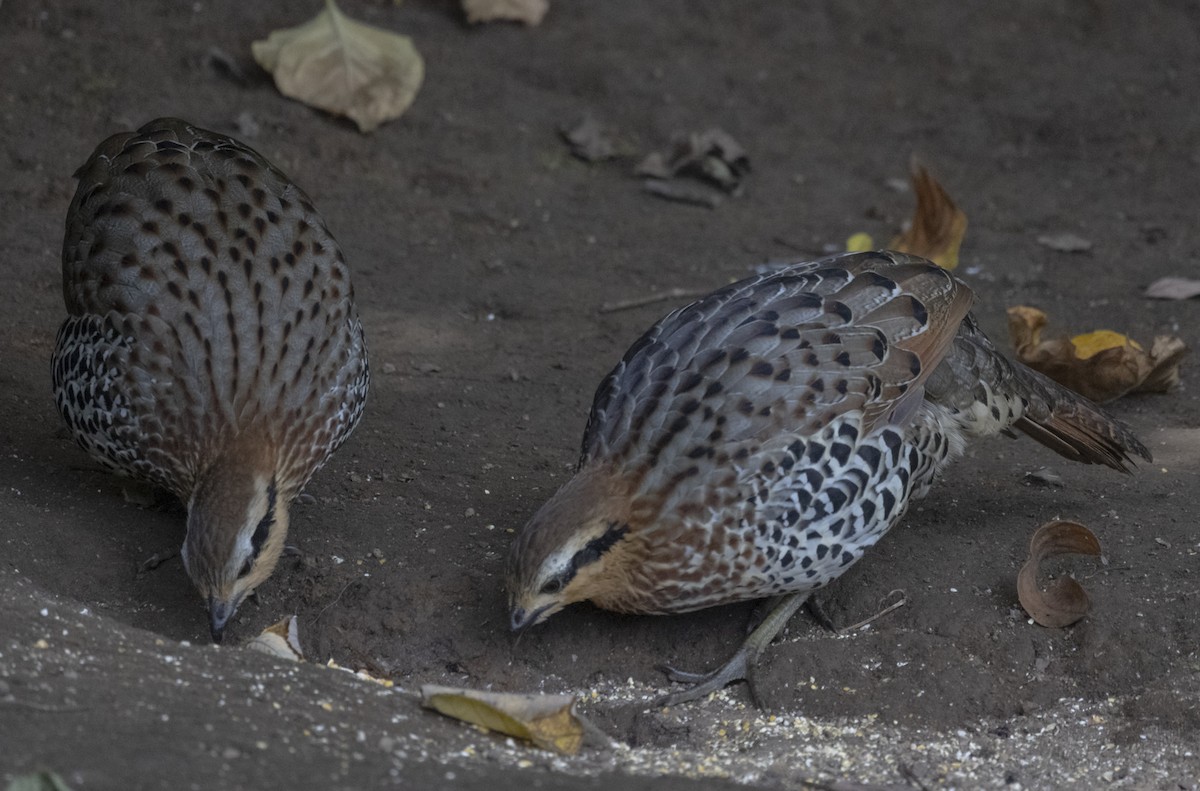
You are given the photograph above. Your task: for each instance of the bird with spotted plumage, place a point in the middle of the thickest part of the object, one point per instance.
(758, 441)
(212, 346)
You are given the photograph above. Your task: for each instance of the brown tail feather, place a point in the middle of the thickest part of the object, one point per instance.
(1088, 436)
(975, 372)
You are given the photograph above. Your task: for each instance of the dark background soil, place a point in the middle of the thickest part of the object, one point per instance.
(482, 252)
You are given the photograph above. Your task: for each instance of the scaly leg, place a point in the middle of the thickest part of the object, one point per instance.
(741, 664)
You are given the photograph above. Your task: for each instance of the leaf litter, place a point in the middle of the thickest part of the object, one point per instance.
(1100, 365)
(712, 158)
(345, 67)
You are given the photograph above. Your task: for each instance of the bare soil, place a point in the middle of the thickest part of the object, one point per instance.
(482, 252)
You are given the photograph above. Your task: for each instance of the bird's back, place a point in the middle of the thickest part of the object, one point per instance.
(206, 297)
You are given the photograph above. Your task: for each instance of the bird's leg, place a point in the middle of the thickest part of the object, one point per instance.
(817, 611)
(741, 664)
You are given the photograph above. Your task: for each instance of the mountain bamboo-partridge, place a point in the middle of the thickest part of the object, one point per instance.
(756, 442)
(213, 348)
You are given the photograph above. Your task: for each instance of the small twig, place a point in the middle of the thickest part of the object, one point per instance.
(650, 299)
(335, 601)
(41, 706)
(156, 560)
(893, 606)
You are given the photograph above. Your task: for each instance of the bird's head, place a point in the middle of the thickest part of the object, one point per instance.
(236, 527)
(578, 547)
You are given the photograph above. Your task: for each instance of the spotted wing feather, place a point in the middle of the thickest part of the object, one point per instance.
(778, 354)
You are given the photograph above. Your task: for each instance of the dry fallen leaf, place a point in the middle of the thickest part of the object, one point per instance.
(712, 156)
(344, 67)
(1173, 288)
(588, 140)
(280, 640)
(546, 720)
(1101, 365)
(528, 11)
(1064, 601)
(1065, 242)
(938, 226)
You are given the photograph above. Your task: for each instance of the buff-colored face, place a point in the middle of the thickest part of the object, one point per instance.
(552, 565)
(233, 544)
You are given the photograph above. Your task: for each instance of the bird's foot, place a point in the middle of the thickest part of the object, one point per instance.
(741, 664)
(739, 668)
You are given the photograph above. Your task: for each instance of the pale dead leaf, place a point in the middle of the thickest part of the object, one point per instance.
(1065, 242)
(345, 67)
(38, 781)
(1173, 288)
(1101, 365)
(280, 640)
(549, 721)
(1064, 601)
(938, 226)
(529, 12)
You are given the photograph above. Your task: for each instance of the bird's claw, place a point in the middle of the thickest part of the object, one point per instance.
(738, 668)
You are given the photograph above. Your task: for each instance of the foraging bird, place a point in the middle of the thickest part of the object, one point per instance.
(212, 348)
(756, 442)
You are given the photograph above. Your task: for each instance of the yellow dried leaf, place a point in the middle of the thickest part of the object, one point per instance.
(1064, 601)
(1101, 365)
(546, 720)
(280, 640)
(528, 11)
(860, 243)
(1092, 343)
(342, 66)
(938, 226)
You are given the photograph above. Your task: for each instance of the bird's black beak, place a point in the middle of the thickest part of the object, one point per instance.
(521, 619)
(219, 613)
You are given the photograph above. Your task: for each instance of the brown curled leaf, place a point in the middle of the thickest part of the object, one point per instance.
(1101, 365)
(938, 226)
(1064, 601)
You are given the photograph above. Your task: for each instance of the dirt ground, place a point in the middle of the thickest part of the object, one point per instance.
(482, 252)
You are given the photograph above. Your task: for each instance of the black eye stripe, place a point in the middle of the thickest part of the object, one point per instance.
(264, 526)
(595, 549)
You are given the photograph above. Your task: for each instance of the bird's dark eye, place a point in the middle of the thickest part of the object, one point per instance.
(552, 587)
(249, 564)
